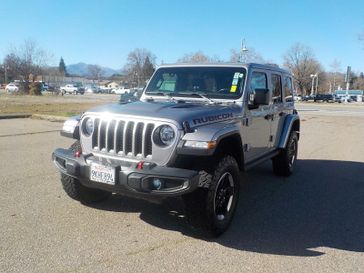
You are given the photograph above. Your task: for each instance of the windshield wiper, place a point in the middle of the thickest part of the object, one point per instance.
(158, 93)
(203, 96)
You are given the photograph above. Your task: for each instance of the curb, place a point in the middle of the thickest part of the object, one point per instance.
(34, 116)
(17, 115)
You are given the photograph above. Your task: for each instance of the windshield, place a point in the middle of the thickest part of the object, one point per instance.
(212, 82)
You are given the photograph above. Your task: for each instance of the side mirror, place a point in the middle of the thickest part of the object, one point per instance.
(261, 96)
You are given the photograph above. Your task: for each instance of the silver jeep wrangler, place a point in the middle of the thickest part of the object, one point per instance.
(192, 132)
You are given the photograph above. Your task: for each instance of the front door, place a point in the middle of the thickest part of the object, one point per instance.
(258, 123)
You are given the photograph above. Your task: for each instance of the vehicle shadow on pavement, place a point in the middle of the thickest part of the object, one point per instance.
(320, 205)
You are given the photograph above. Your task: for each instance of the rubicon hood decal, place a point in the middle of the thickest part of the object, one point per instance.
(212, 118)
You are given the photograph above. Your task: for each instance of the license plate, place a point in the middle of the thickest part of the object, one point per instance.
(103, 174)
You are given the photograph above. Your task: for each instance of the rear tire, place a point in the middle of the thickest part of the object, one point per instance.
(79, 192)
(284, 162)
(213, 209)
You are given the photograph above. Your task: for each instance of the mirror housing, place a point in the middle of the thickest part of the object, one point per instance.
(261, 96)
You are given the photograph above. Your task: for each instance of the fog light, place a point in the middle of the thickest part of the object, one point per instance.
(157, 183)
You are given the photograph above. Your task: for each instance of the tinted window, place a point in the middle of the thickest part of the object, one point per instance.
(277, 88)
(258, 81)
(214, 82)
(288, 89)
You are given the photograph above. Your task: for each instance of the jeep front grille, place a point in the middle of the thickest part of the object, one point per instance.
(122, 137)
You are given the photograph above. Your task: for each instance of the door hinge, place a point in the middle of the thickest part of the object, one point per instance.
(246, 122)
(246, 147)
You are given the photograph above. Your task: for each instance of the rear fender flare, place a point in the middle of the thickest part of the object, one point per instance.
(292, 122)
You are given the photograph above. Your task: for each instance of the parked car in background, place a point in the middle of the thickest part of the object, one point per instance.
(297, 98)
(308, 98)
(324, 98)
(105, 90)
(120, 91)
(72, 89)
(45, 87)
(12, 87)
(92, 89)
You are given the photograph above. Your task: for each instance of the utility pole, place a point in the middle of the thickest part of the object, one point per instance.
(316, 83)
(313, 76)
(347, 80)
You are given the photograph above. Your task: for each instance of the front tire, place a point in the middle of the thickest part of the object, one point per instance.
(79, 192)
(213, 209)
(284, 162)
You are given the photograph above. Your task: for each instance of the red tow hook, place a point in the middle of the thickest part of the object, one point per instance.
(78, 154)
(140, 165)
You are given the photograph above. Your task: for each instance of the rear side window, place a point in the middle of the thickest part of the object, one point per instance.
(258, 81)
(288, 89)
(277, 88)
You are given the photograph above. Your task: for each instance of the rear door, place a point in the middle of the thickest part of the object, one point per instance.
(277, 108)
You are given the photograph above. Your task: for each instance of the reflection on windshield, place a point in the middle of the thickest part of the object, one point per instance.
(211, 82)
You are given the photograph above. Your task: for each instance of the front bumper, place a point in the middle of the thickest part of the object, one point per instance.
(128, 177)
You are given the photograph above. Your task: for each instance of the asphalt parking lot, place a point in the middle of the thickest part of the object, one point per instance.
(312, 221)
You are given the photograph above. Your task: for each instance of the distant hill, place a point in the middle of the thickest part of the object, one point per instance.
(81, 69)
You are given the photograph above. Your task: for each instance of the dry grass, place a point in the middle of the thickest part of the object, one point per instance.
(47, 105)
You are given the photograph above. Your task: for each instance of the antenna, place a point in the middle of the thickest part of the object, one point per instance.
(243, 51)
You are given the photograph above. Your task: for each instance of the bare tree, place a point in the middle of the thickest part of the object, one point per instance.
(249, 56)
(197, 57)
(300, 60)
(26, 63)
(332, 76)
(95, 72)
(140, 65)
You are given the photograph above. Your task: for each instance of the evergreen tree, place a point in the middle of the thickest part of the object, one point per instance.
(148, 69)
(62, 67)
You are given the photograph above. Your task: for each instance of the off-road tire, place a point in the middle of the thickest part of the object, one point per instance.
(284, 162)
(200, 205)
(76, 190)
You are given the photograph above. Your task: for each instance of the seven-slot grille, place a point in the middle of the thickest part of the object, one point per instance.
(122, 137)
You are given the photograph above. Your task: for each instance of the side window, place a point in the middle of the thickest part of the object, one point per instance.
(258, 81)
(277, 88)
(288, 89)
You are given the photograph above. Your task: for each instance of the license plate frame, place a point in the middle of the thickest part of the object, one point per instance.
(102, 174)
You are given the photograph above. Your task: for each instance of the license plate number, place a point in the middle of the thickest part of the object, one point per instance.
(103, 174)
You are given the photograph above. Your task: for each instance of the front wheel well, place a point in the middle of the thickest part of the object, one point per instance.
(231, 145)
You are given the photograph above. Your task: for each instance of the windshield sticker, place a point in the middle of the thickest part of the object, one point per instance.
(236, 75)
(241, 75)
(233, 89)
(235, 81)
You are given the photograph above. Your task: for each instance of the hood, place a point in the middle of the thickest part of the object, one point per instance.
(196, 114)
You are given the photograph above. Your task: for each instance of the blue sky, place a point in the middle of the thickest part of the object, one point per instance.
(104, 32)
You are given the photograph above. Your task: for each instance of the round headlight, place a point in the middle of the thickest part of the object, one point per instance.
(88, 126)
(166, 134)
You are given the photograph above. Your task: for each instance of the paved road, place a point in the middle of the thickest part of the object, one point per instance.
(310, 222)
(332, 109)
